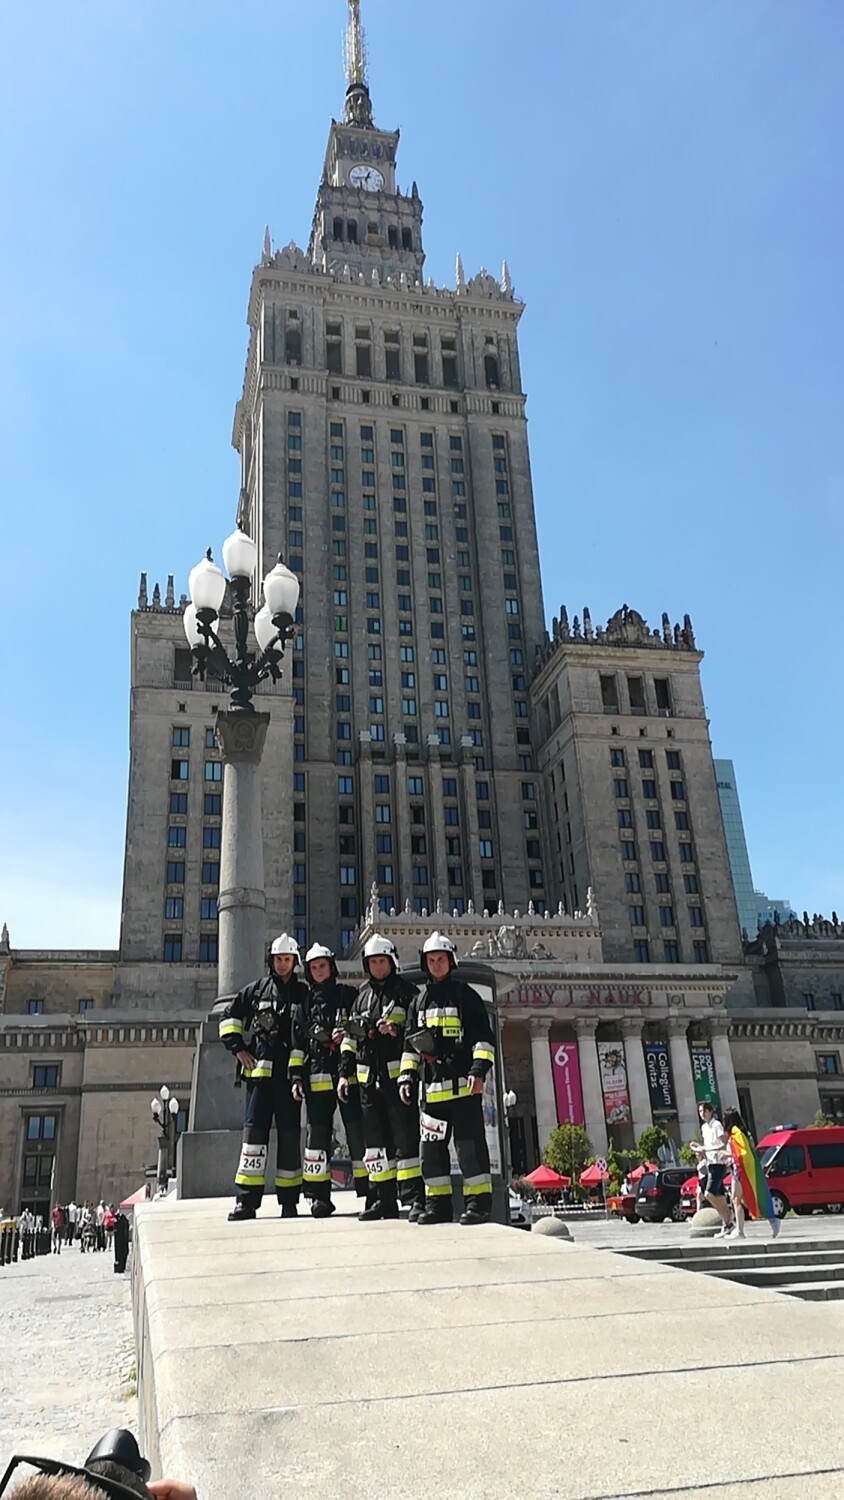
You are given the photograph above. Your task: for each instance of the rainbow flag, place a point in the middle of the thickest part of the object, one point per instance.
(754, 1184)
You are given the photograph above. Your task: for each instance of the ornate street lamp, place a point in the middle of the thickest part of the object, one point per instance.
(273, 623)
(165, 1110)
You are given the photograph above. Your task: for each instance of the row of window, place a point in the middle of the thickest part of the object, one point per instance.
(670, 952)
(618, 757)
(180, 770)
(35, 1007)
(174, 948)
(177, 836)
(180, 737)
(621, 788)
(209, 872)
(636, 695)
(212, 804)
(666, 916)
(392, 352)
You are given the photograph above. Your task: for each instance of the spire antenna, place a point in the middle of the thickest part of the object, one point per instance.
(358, 103)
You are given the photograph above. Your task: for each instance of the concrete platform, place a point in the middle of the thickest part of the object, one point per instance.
(385, 1360)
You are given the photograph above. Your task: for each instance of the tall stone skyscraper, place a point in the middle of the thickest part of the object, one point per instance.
(384, 453)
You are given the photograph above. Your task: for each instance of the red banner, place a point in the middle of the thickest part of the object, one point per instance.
(565, 1066)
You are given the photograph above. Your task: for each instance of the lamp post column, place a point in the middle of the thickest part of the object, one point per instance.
(242, 901)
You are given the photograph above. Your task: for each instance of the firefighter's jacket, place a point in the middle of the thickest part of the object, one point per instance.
(373, 1058)
(456, 1017)
(265, 1010)
(314, 1056)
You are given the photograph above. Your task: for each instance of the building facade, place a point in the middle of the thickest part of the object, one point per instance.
(630, 802)
(728, 798)
(384, 452)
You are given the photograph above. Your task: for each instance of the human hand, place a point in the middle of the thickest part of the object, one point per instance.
(405, 1093)
(386, 1029)
(337, 1034)
(476, 1085)
(245, 1059)
(343, 1090)
(298, 1092)
(171, 1489)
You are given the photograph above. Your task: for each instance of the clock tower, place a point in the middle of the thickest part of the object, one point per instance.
(363, 227)
(383, 445)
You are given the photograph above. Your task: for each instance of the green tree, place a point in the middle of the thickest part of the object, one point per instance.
(687, 1156)
(567, 1150)
(650, 1141)
(819, 1120)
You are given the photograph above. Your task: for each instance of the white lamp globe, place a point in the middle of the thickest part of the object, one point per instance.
(207, 585)
(164, 1092)
(192, 630)
(155, 1106)
(173, 1107)
(281, 590)
(239, 555)
(265, 631)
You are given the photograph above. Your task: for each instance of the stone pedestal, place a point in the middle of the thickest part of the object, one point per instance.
(207, 1152)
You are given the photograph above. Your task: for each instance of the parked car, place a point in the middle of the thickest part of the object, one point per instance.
(804, 1168)
(658, 1196)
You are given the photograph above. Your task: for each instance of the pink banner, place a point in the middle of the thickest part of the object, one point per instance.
(565, 1065)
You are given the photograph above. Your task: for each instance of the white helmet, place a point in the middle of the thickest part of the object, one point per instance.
(438, 943)
(286, 944)
(379, 946)
(319, 950)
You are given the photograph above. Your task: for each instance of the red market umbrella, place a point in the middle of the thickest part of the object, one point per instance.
(545, 1177)
(640, 1171)
(592, 1176)
(137, 1197)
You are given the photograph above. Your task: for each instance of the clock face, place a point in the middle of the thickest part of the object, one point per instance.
(366, 177)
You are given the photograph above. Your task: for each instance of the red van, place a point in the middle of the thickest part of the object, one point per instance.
(804, 1168)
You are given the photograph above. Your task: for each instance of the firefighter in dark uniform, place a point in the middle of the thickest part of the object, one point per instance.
(371, 1052)
(314, 1070)
(265, 1009)
(449, 1044)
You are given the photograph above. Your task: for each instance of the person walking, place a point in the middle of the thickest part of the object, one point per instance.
(266, 1009)
(750, 1192)
(108, 1225)
(58, 1223)
(449, 1044)
(371, 1054)
(318, 1031)
(99, 1218)
(72, 1220)
(712, 1151)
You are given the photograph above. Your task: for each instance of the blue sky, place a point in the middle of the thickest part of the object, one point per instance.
(663, 180)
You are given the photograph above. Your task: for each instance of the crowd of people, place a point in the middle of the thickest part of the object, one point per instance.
(92, 1228)
(406, 1066)
(100, 1227)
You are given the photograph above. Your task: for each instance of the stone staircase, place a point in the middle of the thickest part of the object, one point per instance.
(810, 1269)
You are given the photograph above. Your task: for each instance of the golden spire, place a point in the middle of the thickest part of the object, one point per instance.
(355, 47)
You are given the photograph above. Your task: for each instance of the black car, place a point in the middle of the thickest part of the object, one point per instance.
(658, 1197)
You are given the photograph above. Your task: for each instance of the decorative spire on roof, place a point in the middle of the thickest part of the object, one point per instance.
(358, 102)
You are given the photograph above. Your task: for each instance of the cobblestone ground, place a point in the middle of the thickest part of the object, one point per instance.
(67, 1354)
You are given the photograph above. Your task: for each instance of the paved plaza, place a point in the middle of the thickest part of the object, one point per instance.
(384, 1359)
(67, 1354)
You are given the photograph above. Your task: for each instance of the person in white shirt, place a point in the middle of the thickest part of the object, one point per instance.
(712, 1151)
(72, 1217)
(100, 1222)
